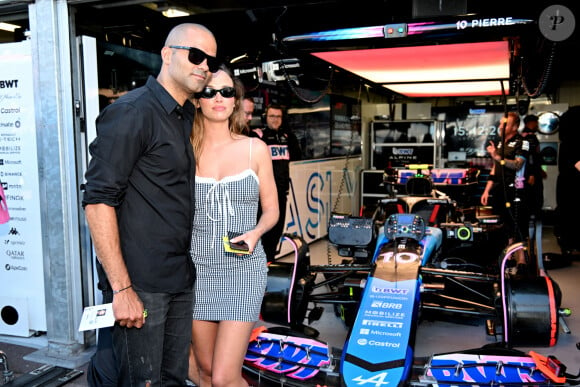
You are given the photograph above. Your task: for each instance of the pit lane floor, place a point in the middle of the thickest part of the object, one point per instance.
(432, 336)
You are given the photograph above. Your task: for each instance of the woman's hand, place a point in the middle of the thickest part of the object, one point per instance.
(250, 238)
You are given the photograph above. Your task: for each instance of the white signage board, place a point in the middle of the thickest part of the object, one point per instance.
(317, 186)
(21, 253)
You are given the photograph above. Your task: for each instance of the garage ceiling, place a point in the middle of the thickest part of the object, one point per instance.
(256, 29)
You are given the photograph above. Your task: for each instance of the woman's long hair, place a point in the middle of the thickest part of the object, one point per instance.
(236, 122)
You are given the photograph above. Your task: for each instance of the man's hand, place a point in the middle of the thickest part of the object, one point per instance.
(492, 150)
(485, 198)
(128, 309)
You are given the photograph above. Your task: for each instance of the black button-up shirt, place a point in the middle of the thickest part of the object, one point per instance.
(142, 164)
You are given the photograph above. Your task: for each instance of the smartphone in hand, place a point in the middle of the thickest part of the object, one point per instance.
(239, 247)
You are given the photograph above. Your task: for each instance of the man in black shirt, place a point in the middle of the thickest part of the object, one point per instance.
(504, 191)
(138, 203)
(284, 148)
(534, 173)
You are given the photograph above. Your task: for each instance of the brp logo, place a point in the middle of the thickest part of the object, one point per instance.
(557, 23)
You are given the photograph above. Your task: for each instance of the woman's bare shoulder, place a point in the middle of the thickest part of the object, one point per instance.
(259, 146)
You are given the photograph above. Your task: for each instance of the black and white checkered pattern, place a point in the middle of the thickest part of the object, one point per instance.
(228, 286)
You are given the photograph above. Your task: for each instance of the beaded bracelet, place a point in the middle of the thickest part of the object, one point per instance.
(120, 290)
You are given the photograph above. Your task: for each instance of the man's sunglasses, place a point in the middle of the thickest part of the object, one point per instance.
(208, 92)
(196, 56)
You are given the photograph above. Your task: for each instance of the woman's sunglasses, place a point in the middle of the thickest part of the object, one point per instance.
(196, 56)
(208, 92)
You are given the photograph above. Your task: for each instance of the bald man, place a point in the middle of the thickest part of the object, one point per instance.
(138, 203)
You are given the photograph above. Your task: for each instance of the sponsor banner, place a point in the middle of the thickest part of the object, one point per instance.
(319, 187)
(21, 260)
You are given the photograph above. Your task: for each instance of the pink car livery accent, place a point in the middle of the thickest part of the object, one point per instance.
(296, 357)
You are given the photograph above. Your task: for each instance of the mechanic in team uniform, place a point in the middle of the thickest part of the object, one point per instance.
(284, 147)
(534, 173)
(504, 190)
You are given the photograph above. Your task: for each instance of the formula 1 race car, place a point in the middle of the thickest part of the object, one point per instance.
(418, 265)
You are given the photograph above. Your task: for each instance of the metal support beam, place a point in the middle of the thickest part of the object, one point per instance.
(51, 58)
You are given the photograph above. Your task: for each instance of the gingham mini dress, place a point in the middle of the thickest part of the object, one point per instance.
(227, 286)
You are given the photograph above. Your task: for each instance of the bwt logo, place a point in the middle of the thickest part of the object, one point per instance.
(8, 83)
(389, 290)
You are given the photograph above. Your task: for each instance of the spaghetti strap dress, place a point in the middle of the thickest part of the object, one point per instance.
(228, 286)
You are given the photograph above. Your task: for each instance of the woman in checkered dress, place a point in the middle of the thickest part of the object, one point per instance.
(233, 174)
